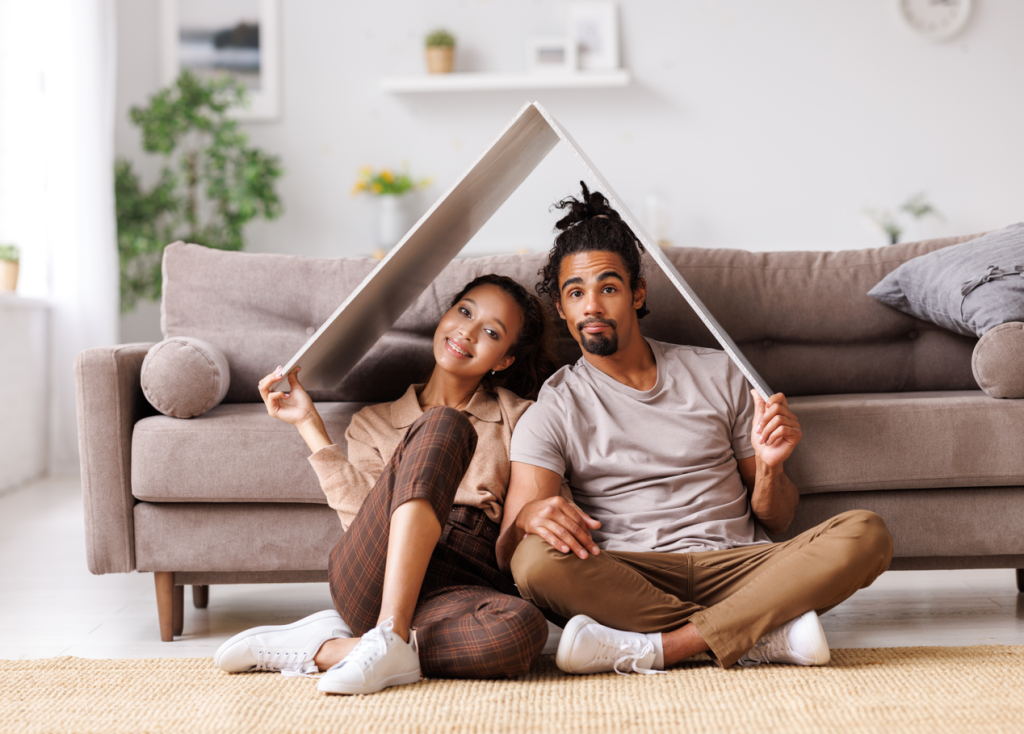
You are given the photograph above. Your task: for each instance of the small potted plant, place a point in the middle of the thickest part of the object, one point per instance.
(391, 190)
(440, 52)
(9, 257)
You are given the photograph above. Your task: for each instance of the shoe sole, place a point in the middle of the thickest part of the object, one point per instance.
(327, 613)
(400, 679)
(568, 640)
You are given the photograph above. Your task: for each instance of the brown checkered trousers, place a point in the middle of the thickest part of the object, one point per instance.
(470, 621)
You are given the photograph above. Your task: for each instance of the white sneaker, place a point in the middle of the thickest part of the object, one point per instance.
(381, 659)
(279, 648)
(589, 647)
(800, 641)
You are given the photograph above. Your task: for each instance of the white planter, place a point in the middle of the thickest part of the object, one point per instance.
(393, 219)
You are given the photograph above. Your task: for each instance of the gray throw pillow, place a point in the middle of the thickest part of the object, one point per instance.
(967, 288)
(184, 377)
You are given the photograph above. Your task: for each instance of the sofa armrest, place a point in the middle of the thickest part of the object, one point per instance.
(109, 396)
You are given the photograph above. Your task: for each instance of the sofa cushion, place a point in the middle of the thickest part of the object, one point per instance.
(802, 318)
(969, 288)
(184, 377)
(234, 453)
(907, 441)
(998, 361)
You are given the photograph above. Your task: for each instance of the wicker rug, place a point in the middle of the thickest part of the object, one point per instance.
(931, 689)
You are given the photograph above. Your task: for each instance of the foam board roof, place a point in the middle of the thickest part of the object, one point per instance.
(439, 235)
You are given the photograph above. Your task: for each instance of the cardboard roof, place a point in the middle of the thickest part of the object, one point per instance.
(420, 256)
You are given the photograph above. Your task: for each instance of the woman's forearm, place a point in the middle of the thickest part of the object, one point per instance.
(313, 432)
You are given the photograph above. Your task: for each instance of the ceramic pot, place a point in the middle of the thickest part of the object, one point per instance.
(440, 59)
(392, 219)
(8, 276)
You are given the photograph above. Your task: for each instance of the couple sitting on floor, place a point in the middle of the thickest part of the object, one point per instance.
(657, 553)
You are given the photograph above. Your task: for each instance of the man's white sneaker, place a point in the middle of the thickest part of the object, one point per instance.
(800, 641)
(381, 659)
(589, 647)
(279, 648)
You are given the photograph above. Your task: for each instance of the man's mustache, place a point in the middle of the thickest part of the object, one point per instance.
(607, 322)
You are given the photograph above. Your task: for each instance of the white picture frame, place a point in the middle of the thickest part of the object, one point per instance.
(594, 28)
(187, 40)
(551, 55)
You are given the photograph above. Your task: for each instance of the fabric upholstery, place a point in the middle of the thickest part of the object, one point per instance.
(968, 289)
(998, 361)
(936, 523)
(184, 377)
(907, 441)
(802, 318)
(234, 538)
(110, 401)
(234, 453)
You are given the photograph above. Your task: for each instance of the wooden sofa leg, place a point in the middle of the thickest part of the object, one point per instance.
(200, 596)
(1020, 580)
(165, 603)
(179, 610)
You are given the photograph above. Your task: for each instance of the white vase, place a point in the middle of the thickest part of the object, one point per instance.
(392, 219)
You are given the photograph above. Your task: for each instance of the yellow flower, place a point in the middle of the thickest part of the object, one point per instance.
(366, 170)
(387, 176)
(377, 188)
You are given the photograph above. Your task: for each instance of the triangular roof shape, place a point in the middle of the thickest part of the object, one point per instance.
(441, 233)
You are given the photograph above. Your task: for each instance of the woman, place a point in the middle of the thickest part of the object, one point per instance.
(420, 495)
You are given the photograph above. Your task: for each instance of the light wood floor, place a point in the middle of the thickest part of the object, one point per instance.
(53, 606)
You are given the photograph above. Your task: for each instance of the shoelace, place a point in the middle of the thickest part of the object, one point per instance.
(765, 649)
(286, 663)
(630, 652)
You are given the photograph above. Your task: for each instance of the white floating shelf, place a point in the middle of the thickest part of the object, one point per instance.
(480, 82)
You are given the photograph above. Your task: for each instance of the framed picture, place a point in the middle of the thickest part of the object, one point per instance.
(594, 27)
(551, 54)
(235, 38)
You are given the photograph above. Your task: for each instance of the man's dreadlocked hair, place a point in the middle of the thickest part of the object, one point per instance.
(592, 225)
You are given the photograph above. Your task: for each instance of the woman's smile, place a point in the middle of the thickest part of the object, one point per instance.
(455, 348)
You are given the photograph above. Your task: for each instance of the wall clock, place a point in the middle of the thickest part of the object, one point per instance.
(935, 19)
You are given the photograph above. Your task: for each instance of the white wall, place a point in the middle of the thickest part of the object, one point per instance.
(23, 368)
(761, 125)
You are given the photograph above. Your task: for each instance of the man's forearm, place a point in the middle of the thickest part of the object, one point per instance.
(506, 546)
(774, 498)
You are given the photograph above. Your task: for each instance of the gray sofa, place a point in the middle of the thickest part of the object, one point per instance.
(893, 419)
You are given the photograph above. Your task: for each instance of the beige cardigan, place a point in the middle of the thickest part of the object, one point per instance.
(376, 431)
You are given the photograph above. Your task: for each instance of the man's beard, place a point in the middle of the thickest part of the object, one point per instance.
(598, 344)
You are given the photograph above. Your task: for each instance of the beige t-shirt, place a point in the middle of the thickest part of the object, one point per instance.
(656, 467)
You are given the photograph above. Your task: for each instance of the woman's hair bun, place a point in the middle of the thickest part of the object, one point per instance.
(589, 206)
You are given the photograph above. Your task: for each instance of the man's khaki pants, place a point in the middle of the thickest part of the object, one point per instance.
(732, 597)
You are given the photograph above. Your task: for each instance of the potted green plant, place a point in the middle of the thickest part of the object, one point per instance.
(211, 184)
(391, 190)
(10, 256)
(909, 214)
(440, 52)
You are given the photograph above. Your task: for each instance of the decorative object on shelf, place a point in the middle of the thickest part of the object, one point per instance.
(483, 82)
(894, 224)
(551, 55)
(393, 202)
(238, 41)
(212, 182)
(10, 257)
(440, 52)
(936, 20)
(594, 27)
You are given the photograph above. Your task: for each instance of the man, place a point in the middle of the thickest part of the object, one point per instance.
(677, 473)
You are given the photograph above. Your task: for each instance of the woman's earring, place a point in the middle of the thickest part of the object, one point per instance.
(494, 372)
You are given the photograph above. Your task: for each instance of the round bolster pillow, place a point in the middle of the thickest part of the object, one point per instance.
(998, 361)
(184, 377)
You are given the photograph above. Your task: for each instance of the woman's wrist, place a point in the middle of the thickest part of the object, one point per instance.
(313, 432)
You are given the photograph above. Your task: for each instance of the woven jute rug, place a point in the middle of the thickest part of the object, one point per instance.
(931, 689)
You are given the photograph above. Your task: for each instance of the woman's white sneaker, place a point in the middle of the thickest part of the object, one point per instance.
(279, 648)
(800, 641)
(381, 659)
(589, 647)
